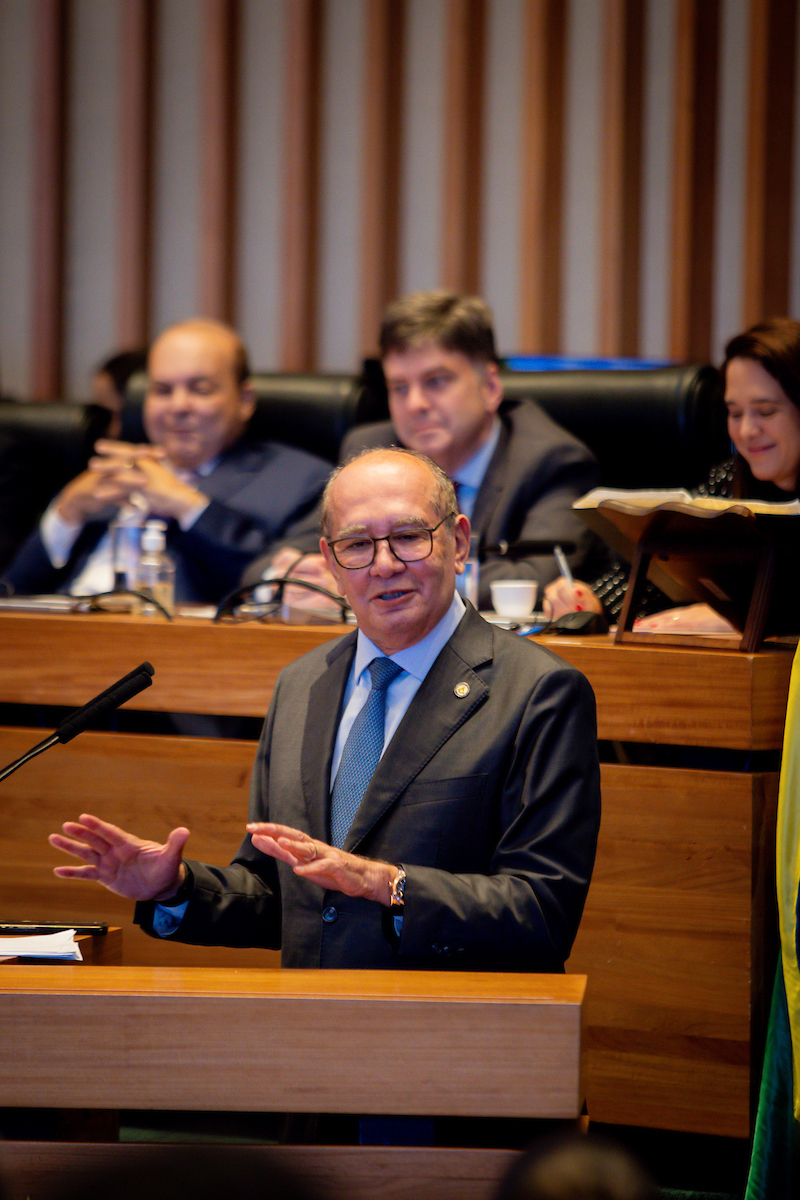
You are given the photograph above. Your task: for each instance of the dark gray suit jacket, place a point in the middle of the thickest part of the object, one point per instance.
(490, 801)
(536, 473)
(258, 491)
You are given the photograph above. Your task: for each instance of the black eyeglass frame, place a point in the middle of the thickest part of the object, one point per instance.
(388, 540)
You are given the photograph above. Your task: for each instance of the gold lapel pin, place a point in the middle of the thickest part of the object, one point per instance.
(461, 690)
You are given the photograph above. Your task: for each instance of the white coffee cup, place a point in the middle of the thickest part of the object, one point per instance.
(514, 599)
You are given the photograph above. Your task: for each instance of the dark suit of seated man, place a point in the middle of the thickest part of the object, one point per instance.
(517, 473)
(226, 498)
(469, 845)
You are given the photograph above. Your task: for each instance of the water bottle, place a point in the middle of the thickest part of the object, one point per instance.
(155, 571)
(126, 546)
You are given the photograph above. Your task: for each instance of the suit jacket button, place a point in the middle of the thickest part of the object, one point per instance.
(330, 914)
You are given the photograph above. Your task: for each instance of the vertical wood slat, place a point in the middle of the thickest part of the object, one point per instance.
(461, 207)
(621, 182)
(136, 172)
(218, 163)
(697, 71)
(303, 100)
(49, 201)
(381, 155)
(543, 89)
(770, 146)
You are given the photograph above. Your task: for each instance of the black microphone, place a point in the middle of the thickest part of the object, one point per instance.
(124, 689)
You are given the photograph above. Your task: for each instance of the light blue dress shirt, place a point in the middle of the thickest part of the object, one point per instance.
(469, 479)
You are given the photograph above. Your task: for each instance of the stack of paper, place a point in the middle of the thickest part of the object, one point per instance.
(61, 945)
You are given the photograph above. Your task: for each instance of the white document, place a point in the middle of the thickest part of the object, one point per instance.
(61, 945)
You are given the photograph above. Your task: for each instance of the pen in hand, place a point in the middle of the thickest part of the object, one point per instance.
(563, 567)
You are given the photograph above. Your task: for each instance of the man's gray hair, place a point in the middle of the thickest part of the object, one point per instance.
(443, 494)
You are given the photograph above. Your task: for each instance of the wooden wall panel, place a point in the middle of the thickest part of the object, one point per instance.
(219, 158)
(542, 175)
(136, 172)
(301, 184)
(621, 191)
(770, 146)
(461, 198)
(50, 149)
(146, 784)
(566, 176)
(382, 148)
(684, 895)
(695, 151)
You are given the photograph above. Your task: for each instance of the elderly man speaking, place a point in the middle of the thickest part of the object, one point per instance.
(426, 788)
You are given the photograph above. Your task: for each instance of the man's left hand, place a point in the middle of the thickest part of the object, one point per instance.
(324, 865)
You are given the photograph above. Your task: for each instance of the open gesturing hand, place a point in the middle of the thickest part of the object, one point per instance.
(325, 865)
(122, 862)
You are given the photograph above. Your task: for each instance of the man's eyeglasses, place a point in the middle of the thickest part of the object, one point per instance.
(409, 545)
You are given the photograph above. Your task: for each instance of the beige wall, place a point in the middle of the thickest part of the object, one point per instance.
(115, 261)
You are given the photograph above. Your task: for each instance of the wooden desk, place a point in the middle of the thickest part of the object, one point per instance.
(678, 922)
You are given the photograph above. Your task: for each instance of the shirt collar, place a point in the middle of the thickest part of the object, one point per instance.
(472, 473)
(418, 659)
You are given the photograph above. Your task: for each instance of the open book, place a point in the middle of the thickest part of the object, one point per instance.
(654, 499)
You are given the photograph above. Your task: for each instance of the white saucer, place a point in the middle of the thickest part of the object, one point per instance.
(533, 618)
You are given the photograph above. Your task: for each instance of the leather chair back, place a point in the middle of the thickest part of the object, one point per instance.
(42, 447)
(660, 427)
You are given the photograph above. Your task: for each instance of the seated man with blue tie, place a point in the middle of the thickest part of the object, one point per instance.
(225, 497)
(426, 789)
(517, 473)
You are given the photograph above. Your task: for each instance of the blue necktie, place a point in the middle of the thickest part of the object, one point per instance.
(362, 751)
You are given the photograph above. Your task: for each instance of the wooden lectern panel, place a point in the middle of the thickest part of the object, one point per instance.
(196, 1038)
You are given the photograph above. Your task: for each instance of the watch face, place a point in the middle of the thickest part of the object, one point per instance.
(399, 887)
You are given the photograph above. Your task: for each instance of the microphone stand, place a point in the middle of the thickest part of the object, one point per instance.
(124, 689)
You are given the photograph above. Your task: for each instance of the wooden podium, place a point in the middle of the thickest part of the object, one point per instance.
(429, 1043)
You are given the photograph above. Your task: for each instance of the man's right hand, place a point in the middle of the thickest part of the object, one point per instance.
(114, 472)
(123, 863)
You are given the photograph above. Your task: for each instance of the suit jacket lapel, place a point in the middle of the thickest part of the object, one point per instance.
(491, 485)
(416, 741)
(234, 468)
(319, 735)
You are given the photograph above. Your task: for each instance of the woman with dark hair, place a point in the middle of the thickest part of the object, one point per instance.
(760, 378)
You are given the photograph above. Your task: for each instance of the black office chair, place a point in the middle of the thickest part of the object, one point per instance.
(654, 428)
(42, 447)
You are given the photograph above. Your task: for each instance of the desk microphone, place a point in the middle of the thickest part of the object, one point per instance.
(124, 689)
